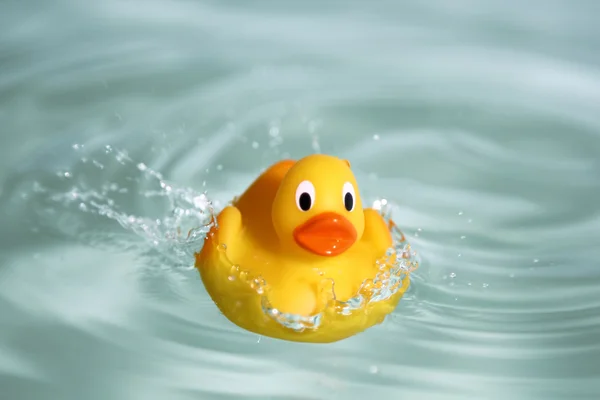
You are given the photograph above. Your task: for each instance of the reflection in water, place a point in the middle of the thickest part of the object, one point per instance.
(478, 122)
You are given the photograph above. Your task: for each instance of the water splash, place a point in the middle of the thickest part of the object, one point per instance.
(183, 216)
(394, 269)
(396, 266)
(178, 231)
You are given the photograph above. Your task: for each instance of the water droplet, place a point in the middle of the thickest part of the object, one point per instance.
(255, 145)
(231, 278)
(219, 167)
(67, 174)
(274, 131)
(165, 186)
(375, 137)
(486, 285)
(200, 202)
(535, 260)
(315, 144)
(142, 167)
(452, 275)
(122, 157)
(462, 237)
(373, 369)
(460, 213)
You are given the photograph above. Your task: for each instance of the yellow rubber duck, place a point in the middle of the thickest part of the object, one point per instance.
(297, 246)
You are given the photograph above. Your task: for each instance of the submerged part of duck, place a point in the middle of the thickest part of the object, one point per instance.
(296, 257)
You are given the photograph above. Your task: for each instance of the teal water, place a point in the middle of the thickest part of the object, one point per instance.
(478, 122)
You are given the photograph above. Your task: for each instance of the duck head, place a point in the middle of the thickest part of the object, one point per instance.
(317, 208)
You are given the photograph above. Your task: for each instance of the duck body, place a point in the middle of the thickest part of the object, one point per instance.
(295, 241)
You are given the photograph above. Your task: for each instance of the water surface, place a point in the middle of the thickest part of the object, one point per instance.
(478, 122)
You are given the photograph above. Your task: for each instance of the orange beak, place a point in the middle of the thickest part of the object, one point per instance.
(326, 234)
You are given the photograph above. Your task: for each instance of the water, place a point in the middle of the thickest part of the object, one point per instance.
(478, 122)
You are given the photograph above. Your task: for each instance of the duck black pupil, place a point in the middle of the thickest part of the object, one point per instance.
(305, 201)
(348, 201)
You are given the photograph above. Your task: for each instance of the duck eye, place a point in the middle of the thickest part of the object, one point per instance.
(348, 196)
(305, 195)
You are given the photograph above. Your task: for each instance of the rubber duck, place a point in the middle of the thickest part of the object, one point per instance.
(295, 241)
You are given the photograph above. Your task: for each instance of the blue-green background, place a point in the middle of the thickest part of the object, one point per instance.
(479, 121)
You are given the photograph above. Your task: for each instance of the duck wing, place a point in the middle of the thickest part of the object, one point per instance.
(256, 202)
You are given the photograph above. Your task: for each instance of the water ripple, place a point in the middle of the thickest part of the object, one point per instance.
(479, 125)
